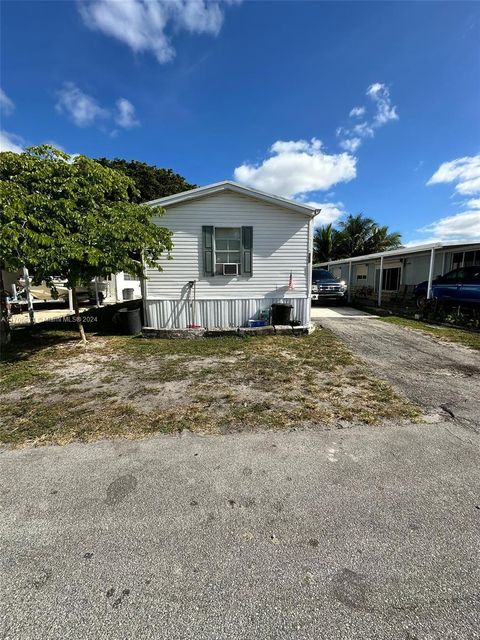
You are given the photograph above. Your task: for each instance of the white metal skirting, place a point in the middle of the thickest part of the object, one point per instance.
(211, 314)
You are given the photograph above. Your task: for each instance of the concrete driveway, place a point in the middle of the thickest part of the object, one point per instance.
(320, 312)
(440, 376)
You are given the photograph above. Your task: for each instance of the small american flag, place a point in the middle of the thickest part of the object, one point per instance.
(290, 281)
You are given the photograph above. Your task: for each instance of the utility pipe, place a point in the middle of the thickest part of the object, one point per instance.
(194, 310)
(193, 303)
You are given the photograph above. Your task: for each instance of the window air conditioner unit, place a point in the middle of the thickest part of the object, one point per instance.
(230, 269)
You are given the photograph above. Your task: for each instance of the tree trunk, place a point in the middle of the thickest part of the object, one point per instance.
(81, 329)
(4, 324)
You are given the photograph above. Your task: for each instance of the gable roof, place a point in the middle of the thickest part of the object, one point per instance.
(229, 185)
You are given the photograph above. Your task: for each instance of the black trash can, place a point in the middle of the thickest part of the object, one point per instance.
(281, 313)
(129, 321)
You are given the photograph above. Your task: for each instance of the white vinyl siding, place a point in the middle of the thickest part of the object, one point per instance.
(280, 246)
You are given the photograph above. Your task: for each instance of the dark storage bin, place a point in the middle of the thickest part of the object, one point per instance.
(129, 321)
(281, 313)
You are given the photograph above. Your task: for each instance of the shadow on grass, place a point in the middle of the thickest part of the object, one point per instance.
(30, 340)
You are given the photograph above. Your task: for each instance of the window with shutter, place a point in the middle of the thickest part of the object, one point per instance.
(227, 250)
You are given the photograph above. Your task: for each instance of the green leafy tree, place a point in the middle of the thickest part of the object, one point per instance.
(150, 182)
(72, 217)
(357, 235)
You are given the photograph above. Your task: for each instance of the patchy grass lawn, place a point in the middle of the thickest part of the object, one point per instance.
(467, 338)
(55, 390)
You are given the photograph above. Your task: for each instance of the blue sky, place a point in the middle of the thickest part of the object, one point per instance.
(355, 106)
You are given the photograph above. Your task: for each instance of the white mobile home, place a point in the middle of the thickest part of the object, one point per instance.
(236, 251)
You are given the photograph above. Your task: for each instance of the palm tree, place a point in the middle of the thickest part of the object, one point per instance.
(383, 240)
(359, 235)
(352, 236)
(323, 244)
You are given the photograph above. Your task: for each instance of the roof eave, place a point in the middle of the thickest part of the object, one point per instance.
(228, 185)
(399, 252)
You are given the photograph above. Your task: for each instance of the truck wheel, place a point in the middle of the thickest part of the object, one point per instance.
(421, 301)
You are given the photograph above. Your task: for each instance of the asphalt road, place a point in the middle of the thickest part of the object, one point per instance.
(363, 533)
(440, 376)
(353, 534)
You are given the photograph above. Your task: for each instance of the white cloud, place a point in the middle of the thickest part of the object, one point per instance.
(418, 241)
(474, 203)
(297, 167)
(461, 226)
(81, 108)
(125, 115)
(364, 130)
(329, 211)
(85, 111)
(357, 112)
(292, 146)
(350, 144)
(16, 144)
(464, 172)
(352, 136)
(6, 104)
(145, 25)
(380, 94)
(11, 142)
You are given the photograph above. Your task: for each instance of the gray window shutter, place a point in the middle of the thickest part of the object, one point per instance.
(208, 261)
(247, 251)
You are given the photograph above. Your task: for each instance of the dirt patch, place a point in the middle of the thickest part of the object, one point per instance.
(130, 387)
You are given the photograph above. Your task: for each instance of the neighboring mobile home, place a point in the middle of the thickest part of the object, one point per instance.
(236, 251)
(381, 276)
